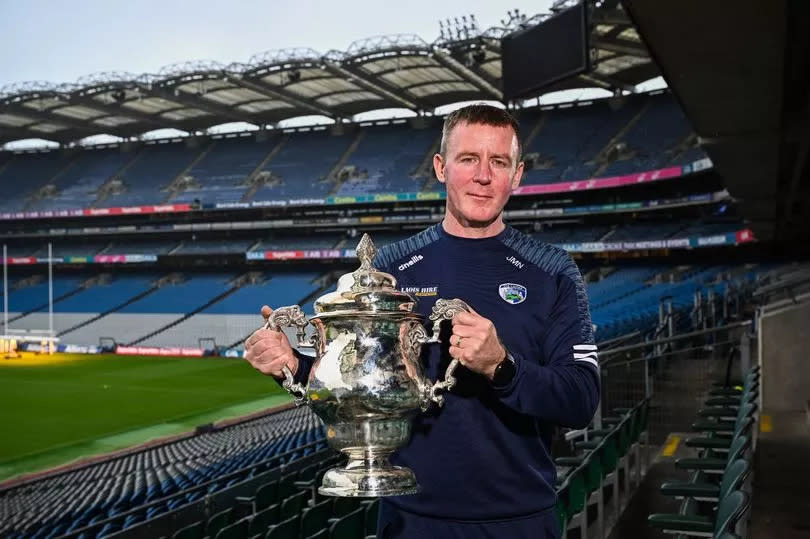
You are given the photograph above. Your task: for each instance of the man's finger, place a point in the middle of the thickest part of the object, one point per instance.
(266, 311)
(463, 330)
(459, 354)
(258, 335)
(465, 318)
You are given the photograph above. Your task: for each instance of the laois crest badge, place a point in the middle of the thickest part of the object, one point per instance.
(512, 293)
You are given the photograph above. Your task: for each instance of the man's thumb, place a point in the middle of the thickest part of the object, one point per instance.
(266, 312)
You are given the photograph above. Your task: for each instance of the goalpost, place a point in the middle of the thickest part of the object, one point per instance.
(44, 340)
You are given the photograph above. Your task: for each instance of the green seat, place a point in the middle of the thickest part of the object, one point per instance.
(315, 518)
(286, 485)
(322, 534)
(593, 472)
(351, 526)
(292, 505)
(607, 449)
(286, 529)
(737, 450)
(728, 409)
(719, 444)
(267, 495)
(575, 494)
(560, 507)
(264, 519)
(726, 427)
(733, 477)
(729, 512)
(343, 506)
(237, 530)
(192, 531)
(217, 522)
(372, 512)
(749, 381)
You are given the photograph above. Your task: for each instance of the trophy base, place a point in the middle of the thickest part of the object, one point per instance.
(358, 479)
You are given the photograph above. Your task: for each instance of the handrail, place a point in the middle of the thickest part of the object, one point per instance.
(605, 345)
(780, 286)
(617, 363)
(675, 338)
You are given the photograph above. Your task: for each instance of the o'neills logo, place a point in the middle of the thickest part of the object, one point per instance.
(414, 259)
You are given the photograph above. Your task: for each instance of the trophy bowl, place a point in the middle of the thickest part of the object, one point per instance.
(367, 382)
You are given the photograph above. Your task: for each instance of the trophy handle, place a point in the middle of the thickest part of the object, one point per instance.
(288, 317)
(444, 309)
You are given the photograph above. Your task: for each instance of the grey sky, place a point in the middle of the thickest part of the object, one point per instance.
(59, 41)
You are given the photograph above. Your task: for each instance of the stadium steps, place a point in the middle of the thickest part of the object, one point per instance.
(81, 288)
(602, 156)
(5, 165)
(328, 280)
(105, 188)
(688, 142)
(608, 234)
(39, 194)
(106, 248)
(172, 188)
(335, 172)
(535, 131)
(131, 300)
(425, 168)
(188, 315)
(251, 178)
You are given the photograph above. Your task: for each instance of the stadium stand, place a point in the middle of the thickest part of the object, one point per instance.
(570, 142)
(302, 165)
(147, 178)
(220, 176)
(164, 478)
(25, 174)
(385, 160)
(81, 181)
(221, 309)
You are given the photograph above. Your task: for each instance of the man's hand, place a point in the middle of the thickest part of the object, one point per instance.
(268, 351)
(475, 343)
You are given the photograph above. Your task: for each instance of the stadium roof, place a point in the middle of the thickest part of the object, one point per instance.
(748, 100)
(400, 71)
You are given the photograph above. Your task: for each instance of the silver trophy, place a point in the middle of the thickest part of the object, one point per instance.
(367, 381)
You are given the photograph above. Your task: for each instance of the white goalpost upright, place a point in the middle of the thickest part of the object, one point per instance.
(45, 338)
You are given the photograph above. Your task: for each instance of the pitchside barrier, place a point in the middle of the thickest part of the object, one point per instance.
(30, 340)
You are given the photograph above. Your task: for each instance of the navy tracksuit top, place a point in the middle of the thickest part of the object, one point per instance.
(485, 455)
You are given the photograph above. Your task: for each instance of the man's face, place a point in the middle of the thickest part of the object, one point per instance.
(480, 171)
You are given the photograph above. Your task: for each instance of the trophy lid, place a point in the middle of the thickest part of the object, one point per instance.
(365, 290)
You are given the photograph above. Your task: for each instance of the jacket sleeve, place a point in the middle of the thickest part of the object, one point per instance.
(563, 389)
(305, 363)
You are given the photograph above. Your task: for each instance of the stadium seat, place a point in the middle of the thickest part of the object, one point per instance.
(349, 526)
(286, 529)
(192, 531)
(729, 512)
(316, 518)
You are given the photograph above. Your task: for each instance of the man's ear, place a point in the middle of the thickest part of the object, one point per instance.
(518, 175)
(438, 167)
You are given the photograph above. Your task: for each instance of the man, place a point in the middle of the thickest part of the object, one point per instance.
(529, 362)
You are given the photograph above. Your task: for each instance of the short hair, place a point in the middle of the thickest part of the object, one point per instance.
(480, 113)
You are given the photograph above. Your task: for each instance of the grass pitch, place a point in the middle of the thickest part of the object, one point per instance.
(54, 409)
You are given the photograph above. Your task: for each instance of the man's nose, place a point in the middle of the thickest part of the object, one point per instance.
(484, 173)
